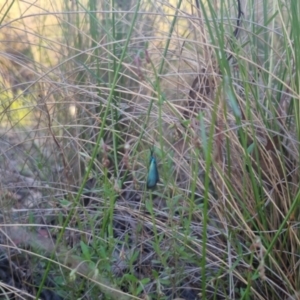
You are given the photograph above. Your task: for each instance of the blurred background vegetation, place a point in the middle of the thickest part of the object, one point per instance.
(88, 88)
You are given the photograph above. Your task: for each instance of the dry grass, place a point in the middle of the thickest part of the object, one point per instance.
(87, 92)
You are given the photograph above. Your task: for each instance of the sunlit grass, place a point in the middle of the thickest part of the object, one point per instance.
(100, 85)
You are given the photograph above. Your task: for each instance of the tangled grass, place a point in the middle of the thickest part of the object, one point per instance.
(88, 89)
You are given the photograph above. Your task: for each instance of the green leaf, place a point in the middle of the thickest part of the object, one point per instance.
(65, 202)
(250, 148)
(85, 250)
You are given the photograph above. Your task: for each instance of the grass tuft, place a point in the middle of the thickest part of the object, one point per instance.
(89, 90)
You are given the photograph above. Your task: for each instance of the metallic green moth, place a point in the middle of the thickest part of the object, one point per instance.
(153, 176)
